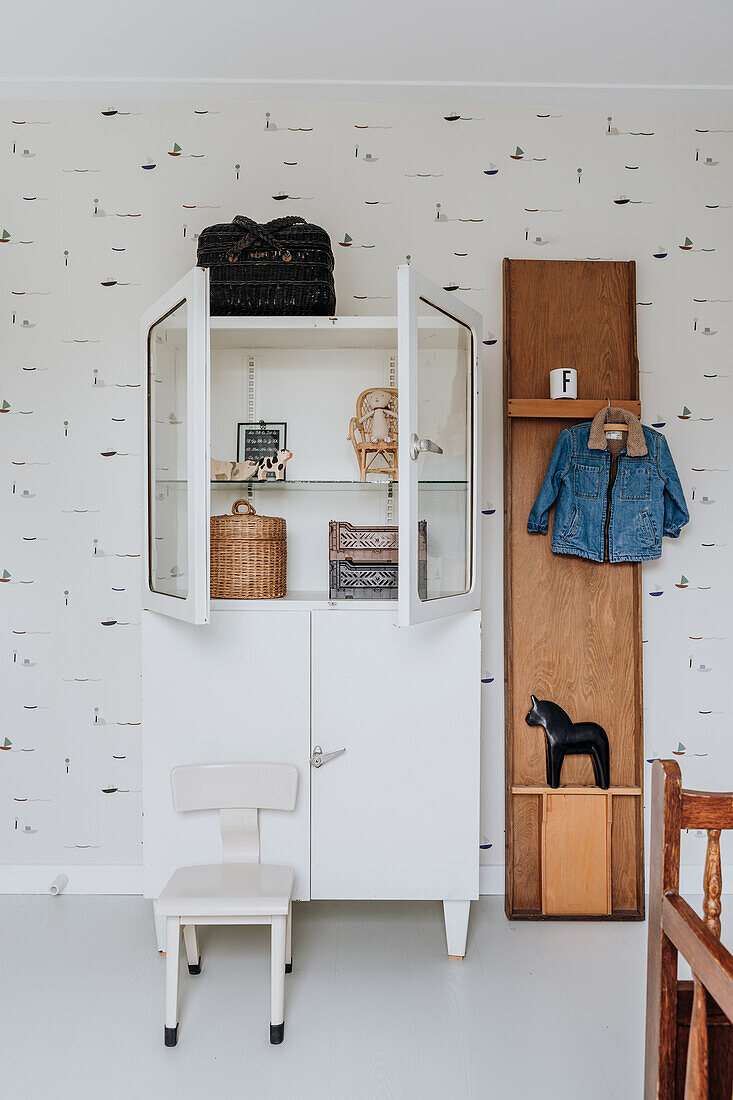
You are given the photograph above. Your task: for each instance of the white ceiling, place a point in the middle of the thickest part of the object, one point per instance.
(461, 50)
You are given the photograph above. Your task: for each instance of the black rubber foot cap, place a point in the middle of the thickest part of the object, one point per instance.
(289, 967)
(171, 1036)
(195, 969)
(277, 1033)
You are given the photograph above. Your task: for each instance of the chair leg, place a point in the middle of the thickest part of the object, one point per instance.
(289, 942)
(172, 950)
(277, 978)
(192, 949)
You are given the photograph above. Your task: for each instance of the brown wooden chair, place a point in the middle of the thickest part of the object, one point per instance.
(360, 434)
(689, 1037)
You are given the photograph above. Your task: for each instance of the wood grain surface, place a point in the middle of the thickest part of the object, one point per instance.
(572, 627)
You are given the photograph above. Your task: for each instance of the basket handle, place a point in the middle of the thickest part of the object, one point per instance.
(235, 508)
(257, 232)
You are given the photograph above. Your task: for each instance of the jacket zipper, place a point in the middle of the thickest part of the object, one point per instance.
(611, 479)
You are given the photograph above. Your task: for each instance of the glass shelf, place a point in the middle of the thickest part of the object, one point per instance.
(313, 484)
(336, 486)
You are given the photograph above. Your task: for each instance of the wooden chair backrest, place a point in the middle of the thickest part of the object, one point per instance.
(675, 928)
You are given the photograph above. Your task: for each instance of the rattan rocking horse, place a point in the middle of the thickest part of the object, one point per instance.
(373, 431)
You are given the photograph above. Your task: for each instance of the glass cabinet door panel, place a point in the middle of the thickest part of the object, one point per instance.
(445, 417)
(167, 466)
(175, 352)
(439, 339)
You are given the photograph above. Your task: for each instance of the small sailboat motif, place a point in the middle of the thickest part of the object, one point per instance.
(7, 744)
(622, 200)
(687, 245)
(346, 241)
(4, 237)
(109, 282)
(685, 414)
(108, 454)
(452, 117)
(491, 170)
(5, 407)
(108, 622)
(109, 790)
(109, 111)
(175, 151)
(451, 286)
(680, 750)
(149, 164)
(683, 582)
(280, 196)
(658, 423)
(660, 253)
(518, 154)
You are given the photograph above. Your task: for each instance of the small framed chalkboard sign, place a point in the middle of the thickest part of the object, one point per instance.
(259, 440)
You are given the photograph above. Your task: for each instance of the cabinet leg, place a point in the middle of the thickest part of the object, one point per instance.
(455, 914)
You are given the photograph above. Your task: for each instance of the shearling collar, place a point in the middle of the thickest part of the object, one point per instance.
(635, 443)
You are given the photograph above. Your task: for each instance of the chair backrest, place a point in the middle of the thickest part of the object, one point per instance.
(689, 1037)
(238, 791)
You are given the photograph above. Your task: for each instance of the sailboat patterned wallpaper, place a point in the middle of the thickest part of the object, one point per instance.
(100, 207)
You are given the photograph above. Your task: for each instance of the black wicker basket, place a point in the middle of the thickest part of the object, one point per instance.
(282, 267)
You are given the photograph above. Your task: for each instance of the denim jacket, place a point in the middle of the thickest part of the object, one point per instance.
(625, 522)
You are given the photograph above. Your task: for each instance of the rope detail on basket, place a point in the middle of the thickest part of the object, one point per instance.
(257, 232)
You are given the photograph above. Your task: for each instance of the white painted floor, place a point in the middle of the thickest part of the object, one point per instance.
(374, 1008)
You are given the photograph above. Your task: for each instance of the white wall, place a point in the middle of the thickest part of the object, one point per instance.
(71, 686)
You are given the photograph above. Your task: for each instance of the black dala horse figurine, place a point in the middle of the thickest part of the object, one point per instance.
(565, 738)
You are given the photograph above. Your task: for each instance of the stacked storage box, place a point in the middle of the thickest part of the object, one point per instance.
(363, 561)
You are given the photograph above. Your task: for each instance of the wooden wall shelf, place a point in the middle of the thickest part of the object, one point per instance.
(565, 408)
(572, 626)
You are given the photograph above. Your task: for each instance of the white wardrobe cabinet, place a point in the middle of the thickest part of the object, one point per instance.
(394, 684)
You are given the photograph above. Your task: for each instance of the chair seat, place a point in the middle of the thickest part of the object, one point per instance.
(227, 890)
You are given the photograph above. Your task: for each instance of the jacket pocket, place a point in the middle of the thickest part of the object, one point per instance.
(648, 529)
(587, 481)
(572, 526)
(636, 482)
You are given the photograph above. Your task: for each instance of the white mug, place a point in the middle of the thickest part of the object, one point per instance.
(563, 382)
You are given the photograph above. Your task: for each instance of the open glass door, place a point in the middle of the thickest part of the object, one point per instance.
(439, 342)
(175, 354)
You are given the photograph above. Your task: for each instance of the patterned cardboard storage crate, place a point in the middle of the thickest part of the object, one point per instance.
(350, 542)
(362, 580)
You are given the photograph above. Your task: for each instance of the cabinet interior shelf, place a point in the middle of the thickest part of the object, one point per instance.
(564, 408)
(544, 789)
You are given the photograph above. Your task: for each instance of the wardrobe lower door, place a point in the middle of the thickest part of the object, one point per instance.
(396, 815)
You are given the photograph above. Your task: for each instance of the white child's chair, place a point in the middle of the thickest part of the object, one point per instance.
(240, 889)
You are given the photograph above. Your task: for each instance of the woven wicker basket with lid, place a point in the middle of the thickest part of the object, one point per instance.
(248, 555)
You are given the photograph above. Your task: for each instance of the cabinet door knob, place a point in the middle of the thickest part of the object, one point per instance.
(319, 757)
(417, 446)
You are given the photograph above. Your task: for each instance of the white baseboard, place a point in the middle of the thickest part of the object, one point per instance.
(128, 879)
(36, 878)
